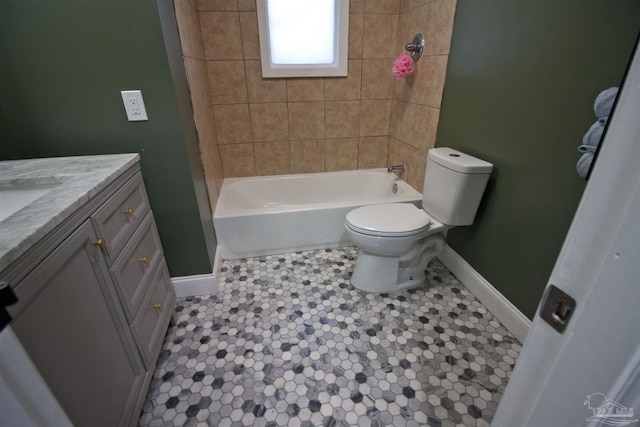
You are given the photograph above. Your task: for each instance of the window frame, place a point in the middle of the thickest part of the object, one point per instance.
(336, 69)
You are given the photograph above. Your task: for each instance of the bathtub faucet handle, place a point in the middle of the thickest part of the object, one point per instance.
(397, 168)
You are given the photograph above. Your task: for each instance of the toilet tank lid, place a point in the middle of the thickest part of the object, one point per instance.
(458, 161)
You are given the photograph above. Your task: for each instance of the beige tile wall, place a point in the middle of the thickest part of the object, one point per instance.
(277, 126)
(201, 97)
(416, 104)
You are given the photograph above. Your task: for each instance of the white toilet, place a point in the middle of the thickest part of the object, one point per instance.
(397, 240)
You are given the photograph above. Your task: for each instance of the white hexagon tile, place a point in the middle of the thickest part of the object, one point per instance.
(287, 341)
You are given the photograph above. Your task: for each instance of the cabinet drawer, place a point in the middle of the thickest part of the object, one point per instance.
(119, 217)
(152, 320)
(134, 267)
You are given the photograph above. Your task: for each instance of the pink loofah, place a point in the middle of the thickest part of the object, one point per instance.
(402, 66)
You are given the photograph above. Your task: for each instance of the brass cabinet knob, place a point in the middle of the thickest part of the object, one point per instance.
(157, 306)
(100, 243)
(129, 212)
(144, 259)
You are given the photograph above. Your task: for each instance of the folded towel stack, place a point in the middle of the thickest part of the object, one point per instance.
(602, 107)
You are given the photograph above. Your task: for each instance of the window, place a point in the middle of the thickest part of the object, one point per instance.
(303, 38)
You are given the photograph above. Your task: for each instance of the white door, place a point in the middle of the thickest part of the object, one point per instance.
(589, 374)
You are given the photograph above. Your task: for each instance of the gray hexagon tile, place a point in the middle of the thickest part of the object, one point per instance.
(287, 341)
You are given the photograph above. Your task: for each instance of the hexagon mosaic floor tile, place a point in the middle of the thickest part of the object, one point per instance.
(288, 341)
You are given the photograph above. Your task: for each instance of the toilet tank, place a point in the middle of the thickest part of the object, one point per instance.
(453, 185)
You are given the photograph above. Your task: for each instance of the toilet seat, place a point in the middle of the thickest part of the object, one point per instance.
(388, 220)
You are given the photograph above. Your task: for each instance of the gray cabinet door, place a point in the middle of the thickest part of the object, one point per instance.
(69, 322)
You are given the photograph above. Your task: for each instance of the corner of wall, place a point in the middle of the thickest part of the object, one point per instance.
(506, 313)
(200, 284)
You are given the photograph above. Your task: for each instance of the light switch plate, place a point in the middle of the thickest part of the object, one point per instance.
(134, 105)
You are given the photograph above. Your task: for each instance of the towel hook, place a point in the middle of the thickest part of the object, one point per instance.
(416, 47)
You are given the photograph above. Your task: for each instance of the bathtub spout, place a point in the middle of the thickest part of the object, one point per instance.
(397, 168)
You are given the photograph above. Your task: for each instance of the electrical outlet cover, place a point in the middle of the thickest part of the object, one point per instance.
(134, 105)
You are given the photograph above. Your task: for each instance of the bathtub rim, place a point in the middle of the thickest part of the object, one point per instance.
(223, 210)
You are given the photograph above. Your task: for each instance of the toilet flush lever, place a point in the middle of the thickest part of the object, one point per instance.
(557, 308)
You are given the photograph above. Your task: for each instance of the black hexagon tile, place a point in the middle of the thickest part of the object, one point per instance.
(287, 341)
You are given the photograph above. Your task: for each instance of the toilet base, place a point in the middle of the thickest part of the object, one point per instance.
(382, 274)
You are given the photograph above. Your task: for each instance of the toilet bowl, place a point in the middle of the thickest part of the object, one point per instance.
(398, 240)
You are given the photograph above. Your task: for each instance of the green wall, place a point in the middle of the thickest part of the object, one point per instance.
(64, 64)
(519, 92)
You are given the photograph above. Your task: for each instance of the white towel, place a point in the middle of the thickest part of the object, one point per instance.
(590, 141)
(604, 102)
(584, 164)
(592, 138)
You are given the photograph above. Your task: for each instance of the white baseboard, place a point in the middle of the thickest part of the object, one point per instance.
(508, 314)
(201, 284)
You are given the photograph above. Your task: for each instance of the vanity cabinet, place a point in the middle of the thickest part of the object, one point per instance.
(67, 324)
(95, 301)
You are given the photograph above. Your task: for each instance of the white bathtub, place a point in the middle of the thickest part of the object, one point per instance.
(288, 213)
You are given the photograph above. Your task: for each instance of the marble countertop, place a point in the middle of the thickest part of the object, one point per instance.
(73, 181)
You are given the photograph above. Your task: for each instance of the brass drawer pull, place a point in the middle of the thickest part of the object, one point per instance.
(157, 306)
(100, 243)
(129, 212)
(144, 259)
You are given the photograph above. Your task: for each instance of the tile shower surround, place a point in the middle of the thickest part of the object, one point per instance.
(250, 126)
(287, 341)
